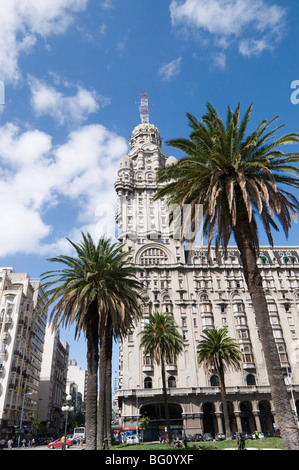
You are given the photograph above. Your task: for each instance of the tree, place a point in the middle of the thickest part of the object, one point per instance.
(161, 340)
(239, 179)
(82, 293)
(143, 424)
(121, 295)
(218, 352)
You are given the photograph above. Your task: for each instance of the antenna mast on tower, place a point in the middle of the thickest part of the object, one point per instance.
(144, 113)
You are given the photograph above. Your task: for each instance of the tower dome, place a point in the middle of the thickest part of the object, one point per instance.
(145, 133)
(171, 161)
(125, 162)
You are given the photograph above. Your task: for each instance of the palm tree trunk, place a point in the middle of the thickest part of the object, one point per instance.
(92, 382)
(105, 391)
(284, 416)
(228, 432)
(169, 433)
(102, 395)
(108, 435)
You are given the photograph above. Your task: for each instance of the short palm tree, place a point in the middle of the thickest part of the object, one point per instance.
(238, 179)
(218, 352)
(87, 292)
(161, 340)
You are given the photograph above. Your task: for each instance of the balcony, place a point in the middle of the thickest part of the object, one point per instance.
(148, 368)
(171, 368)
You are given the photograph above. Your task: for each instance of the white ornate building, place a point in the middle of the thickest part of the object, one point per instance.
(201, 292)
(22, 332)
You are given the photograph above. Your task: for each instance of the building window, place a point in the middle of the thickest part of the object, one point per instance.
(214, 381)
(171, 382)
(148, 383)
(250, 379)
(153, 256)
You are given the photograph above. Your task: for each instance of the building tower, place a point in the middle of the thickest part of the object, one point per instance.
(201, 293)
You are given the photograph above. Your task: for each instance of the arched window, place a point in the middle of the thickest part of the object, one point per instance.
(153, 256)
(214, 381)
(250, 379)
(148, 383)
(171, 382)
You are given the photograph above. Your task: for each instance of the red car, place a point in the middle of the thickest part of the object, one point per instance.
(58, 444)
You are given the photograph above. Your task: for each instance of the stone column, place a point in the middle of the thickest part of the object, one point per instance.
(219, 420)
(256, 415)
(238, 419)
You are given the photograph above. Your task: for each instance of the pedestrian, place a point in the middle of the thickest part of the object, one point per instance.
(2, 444)
(10, 443)
(33, 442)
(81, 443)
(24, 442)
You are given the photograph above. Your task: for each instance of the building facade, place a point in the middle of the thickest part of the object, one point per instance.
(76, 385)
(22, 332)
(201, 292)
(53, 379)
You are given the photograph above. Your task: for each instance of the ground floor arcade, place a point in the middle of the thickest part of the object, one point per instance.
(200, 414)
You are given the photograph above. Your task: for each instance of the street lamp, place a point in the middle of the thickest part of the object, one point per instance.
(66, 408)
(22, 412)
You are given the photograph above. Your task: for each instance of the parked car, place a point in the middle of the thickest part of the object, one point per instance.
(207, 436)
(277, 433)
(132, 439)
(58, 444)
(197, 437)
(189, 438)
(220, 436)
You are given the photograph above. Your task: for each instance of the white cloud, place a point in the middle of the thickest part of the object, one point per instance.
(170, 70)
(45, 99)
(256, 25)
(22, 22)
(37, 175)
(220, 60)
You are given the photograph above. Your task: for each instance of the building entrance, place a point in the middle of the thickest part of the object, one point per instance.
(157, 424)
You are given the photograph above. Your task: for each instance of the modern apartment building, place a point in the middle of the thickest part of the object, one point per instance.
(22, 331)
(53, 379)
(201, 292)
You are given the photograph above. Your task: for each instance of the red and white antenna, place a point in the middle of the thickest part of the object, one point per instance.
(144, 113)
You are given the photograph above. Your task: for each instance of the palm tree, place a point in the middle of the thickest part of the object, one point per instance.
(82, 293)
(161, 340)
(121, 295)
(238, 179)
(218, 352)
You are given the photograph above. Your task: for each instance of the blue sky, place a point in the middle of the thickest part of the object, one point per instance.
(73, 71)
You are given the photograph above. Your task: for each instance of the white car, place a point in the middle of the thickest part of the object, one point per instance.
(132, 440)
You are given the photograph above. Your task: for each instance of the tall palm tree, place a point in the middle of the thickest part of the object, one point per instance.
(121, 293)
(161, 340)
(218, 352)
(238, 179)
(85, 292)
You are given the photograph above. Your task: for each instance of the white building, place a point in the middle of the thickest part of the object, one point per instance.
(53, 377)
(201, 292)
(76, 385)
(22, 330)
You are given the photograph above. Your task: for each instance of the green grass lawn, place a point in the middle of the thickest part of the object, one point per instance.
(265, 443)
